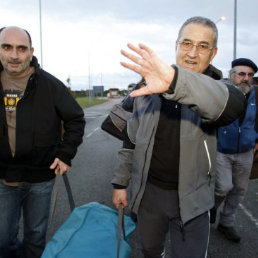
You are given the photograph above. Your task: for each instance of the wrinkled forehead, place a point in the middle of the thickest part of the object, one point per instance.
(244, 68)
(197, 32)
(14, 36)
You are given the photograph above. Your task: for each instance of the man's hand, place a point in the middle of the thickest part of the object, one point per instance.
(60, 166)
(120, 196)
(256, 151)
(158, 75)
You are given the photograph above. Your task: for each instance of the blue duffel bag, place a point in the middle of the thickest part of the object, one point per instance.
(91, 231)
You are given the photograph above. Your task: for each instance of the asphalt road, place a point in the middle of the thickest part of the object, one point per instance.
(90, 181)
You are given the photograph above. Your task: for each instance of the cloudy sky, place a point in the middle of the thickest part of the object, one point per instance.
(82, 37)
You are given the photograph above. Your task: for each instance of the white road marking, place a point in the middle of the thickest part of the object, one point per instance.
(90, 134)
(249, 214)
(96, 116)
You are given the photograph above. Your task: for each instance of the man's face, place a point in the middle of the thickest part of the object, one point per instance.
(243, 77)
(195, 60)
(15, 51)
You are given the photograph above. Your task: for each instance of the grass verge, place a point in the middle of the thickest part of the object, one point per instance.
(85, 102)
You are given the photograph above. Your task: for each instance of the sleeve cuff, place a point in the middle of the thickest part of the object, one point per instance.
(172, 85)
(115, 186)
(65, 158)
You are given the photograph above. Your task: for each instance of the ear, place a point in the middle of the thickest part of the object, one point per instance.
(176, 45)
(214, 52)
(31, 53)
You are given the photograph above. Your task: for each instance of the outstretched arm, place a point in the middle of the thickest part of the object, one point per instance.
(158, 74)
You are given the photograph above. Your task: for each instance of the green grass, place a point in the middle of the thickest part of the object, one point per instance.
(84, 101)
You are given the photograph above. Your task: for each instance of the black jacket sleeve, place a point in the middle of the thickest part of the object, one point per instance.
(72, 116)
(235, 106)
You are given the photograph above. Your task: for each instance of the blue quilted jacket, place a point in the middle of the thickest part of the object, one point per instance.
(236, 137)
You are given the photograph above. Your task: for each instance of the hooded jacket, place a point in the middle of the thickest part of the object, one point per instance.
(40, 113)
(206, 104)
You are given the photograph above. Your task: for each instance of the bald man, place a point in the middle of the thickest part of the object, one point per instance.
(33, 105)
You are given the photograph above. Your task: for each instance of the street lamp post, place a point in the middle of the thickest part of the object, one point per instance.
(222, 18)
(40, 31)
(89, 79)
(235, 29)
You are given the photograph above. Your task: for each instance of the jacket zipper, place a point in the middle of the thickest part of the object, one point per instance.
(238, 139)
(27, 89)
(209, 159)
(136, 196)
(26, 93)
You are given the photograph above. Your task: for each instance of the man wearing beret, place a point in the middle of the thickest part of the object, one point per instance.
(237, 142)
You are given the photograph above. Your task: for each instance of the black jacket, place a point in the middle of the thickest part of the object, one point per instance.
(45, 106)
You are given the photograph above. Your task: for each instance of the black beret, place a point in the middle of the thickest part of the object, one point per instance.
(245, 62)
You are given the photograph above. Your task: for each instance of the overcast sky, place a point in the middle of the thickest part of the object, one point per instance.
(82, 37)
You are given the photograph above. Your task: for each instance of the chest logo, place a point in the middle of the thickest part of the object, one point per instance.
(11, 99)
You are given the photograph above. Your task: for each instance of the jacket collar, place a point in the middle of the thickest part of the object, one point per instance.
(213, 72)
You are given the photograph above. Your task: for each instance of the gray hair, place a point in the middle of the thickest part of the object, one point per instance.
(231, 72)
(204, 21)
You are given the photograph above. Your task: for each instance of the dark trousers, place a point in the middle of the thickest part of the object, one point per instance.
(159, 214)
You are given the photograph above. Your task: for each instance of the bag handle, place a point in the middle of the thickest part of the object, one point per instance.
(55, 191)
(69, 192)
(121, 226)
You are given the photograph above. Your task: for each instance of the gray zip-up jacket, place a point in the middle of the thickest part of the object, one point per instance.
(206, 103)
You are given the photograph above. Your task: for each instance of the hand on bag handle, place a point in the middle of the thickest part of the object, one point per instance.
(120, 197)
(59, 166)
(55, 191)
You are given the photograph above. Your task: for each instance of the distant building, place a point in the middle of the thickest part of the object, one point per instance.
(97, 91)
(113, 92)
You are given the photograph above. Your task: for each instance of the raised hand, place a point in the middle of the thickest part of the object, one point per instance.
(158, 74)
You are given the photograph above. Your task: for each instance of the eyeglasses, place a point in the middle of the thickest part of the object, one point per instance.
(188, 45)
(243, 74)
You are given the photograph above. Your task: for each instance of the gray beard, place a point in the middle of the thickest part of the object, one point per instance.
(245, 89)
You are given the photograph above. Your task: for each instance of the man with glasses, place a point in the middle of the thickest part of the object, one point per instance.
(169, 153)
(236, 148)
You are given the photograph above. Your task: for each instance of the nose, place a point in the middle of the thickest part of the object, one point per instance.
(246, 78)
(193, 52)
(14, 54)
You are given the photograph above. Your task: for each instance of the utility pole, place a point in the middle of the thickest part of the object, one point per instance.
(235, 29)
(222, 18)
(40, 30)
(89, 78)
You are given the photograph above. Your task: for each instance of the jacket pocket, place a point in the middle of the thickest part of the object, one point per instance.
(208, 156)
(203, 166)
